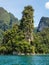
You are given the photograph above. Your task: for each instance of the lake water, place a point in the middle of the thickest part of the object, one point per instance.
(25, 60)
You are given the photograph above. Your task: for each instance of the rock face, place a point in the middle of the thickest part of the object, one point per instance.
(44, 23)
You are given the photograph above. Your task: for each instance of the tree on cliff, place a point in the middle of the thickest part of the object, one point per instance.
(27, 22)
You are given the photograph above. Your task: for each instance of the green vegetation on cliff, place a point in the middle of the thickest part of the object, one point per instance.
(17, 37)
(15, 40)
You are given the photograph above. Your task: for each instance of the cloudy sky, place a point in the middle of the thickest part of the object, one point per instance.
(41, 8)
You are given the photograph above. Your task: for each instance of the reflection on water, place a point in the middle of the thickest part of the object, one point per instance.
(25, 60)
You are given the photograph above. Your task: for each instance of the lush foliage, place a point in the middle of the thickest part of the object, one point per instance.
(41, 40)
(23, 38)
(15, 39)
(27, 22)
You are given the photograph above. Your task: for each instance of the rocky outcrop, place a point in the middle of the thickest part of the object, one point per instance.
(44, 23)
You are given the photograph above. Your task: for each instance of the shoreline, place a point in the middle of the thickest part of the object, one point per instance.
(23, 54)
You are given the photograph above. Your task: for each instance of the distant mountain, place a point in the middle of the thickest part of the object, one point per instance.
(4, 19)
(7, 20)
(44, 23)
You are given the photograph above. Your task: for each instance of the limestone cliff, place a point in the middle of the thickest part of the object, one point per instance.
(44, 23)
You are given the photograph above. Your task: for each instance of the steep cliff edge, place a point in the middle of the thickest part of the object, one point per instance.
(44, 23)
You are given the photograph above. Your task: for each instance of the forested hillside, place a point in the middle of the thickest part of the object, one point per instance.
(7, 20)
(21, 37)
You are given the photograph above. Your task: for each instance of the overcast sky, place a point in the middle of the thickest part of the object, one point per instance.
(41, 8)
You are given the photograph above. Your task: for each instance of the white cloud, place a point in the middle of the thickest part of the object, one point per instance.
(47, 5)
